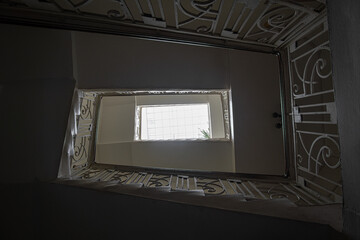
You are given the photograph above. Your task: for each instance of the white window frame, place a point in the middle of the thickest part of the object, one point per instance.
(141, 120)
(221, 112)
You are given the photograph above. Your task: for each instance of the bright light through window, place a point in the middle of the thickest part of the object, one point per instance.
(169, 122)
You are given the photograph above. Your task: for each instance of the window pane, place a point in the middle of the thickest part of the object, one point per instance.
(175, 122)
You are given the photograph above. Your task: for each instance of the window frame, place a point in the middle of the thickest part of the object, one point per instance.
(93, 97)
(225, 104)
(139, 121)
(225, 96)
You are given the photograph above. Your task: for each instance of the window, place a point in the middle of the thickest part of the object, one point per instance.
(138, 117)
(187, 129)
(170, 122)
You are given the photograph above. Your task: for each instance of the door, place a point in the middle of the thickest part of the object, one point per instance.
(258, 140)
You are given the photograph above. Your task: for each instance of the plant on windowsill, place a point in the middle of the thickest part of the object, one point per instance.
(205, 133)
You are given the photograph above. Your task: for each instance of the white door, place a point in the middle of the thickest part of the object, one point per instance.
(255, 86)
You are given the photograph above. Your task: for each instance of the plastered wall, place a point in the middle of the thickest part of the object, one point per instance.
(36, 87)
(110, 62)
(344, 20)
(115, 137)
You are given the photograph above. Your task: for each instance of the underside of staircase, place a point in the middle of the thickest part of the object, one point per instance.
(98, 214)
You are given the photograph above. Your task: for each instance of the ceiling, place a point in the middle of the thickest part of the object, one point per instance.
(268, 23)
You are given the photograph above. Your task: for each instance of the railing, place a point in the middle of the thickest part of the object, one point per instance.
(83, 135)
(314, 125)
(244, 189)
(316, 148)
(77, 144)
(317, 178)
(261, 22)
(82, 168)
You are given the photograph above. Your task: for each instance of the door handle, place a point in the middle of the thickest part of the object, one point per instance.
(276, 115)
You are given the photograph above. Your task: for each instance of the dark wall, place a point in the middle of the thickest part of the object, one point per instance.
(110, 61)
(75, 213)
(37, 83)
(36, 86)
(344, 22)
(145, 64)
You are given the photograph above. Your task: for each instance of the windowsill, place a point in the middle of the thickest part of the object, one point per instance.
(188, 140)
(171, 140)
